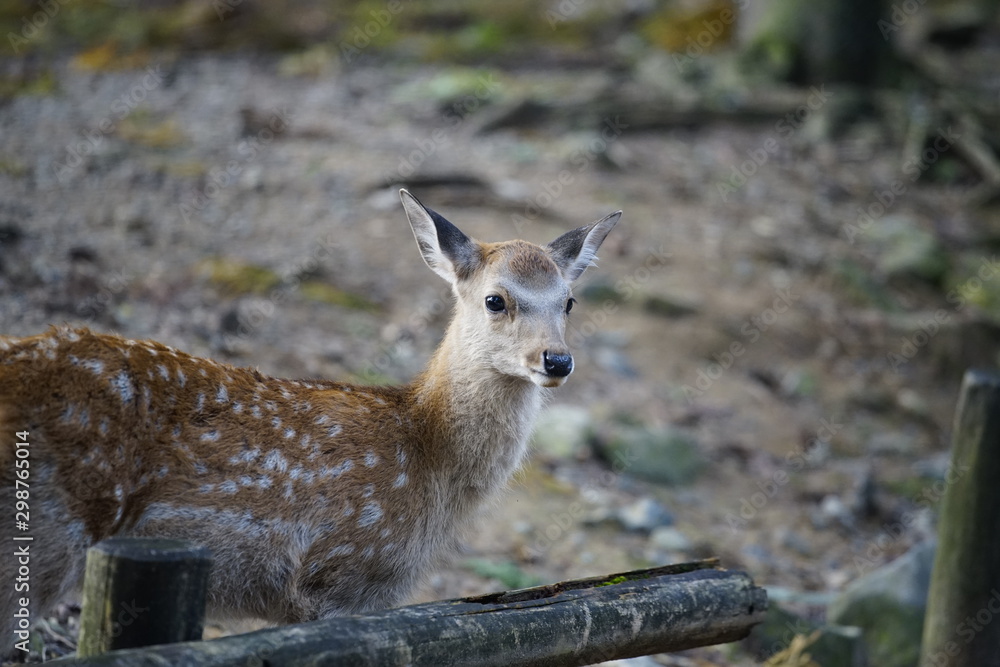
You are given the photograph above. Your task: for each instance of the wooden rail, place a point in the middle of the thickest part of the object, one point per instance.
(576, 622)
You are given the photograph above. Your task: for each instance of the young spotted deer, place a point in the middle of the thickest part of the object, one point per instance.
(316, 498)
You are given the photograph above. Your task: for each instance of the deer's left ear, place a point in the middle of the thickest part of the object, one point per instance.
(575, 250)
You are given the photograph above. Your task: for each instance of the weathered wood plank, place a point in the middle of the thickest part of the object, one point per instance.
(571, 623)
(961, 625)
(139, 592)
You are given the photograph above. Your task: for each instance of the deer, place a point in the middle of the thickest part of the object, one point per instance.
(315, 498)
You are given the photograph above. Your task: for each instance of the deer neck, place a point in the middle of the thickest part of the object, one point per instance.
(480, 419)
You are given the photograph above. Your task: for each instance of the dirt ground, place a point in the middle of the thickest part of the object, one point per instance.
(237, 208)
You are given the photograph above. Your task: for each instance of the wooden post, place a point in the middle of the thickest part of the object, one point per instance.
(570, 623)
(962, 625)
(140, 591)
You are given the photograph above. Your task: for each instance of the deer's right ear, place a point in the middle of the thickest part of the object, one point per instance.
(447, 251)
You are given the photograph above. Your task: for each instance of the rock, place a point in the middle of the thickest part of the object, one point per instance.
(663, 455)
(888, 605)
(644, 515)
(669, 538)
(562, 431)
(831, 511)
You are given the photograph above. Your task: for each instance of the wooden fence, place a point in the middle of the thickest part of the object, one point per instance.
(577, 622)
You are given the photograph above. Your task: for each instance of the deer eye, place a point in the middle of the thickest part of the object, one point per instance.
(495, 303)
(569, 304)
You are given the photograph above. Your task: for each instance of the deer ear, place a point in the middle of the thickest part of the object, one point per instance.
(575, 250)
(447, 251)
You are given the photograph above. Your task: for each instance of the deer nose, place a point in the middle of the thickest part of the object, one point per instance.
(559, 365)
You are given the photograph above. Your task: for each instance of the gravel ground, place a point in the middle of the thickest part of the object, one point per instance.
(233, 209)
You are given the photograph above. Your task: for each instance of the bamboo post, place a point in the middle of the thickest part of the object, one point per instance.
(576, 622)
(142, 591)
(962, 624)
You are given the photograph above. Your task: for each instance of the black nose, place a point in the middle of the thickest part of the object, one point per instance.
(559, 365)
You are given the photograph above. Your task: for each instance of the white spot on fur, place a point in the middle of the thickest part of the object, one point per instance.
(244, 457)
(200, 402)
(181, 378)
(370, 513)
(275, 461)
(222, 394)
(337, 470)
(401, 480)
(333, 431)
(164, 372)
(95, 366)
(210, 436)
(371, 458)
(340, 550)
(122, 383)
(237, 407)
(229, 486)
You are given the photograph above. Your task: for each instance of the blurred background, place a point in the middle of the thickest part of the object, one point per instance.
(768, 356)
